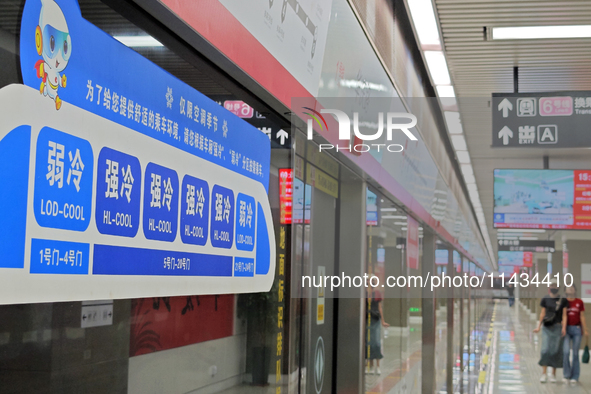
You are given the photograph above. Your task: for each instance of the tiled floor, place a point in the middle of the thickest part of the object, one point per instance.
(512, 361)
(248, 389)
(401, 363)
(514, 357)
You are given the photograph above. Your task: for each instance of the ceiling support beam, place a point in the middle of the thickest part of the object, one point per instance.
(515, 79)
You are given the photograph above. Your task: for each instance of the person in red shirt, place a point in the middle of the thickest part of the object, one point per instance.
(572, 330)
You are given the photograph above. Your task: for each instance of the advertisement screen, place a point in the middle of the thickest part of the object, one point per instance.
(552, 199)
(457, 261)
(441, 256)
(371, 209)
(506, 269)
(520, 259)
(285, 195)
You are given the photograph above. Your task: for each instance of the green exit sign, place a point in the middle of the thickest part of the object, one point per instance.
(415, 309)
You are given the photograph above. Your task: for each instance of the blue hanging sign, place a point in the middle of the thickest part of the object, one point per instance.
(127, 182)
(118, 186)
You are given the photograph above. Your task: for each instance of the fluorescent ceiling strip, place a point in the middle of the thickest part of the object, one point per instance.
(541, 32)
(138, 41)
(452, 119)
(463, 157)
(459, 142)
(423, 16)
(467, 169)
(447, 95)
(425, 23)
(469, 178)
(446, 91)
(438, 67)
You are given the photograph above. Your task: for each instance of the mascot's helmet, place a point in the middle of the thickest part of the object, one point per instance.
(52, 35)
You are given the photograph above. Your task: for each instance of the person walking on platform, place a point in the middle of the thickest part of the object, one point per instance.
(575, 327)
(511, 293)
(552, 317)
(374, 334)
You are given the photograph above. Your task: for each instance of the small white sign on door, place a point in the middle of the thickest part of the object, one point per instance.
(96, 313)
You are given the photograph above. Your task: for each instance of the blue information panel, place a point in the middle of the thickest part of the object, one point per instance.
(114, 260)
(63, 181)
(161, 193)
(243, 266)
(194, 211)
(15, 153)
(245, 222)
(99, 74)
(124, 158)
(118, 189)
(58, 257)
(222, 217)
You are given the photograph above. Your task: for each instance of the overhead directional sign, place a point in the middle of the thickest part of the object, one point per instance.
(282, 135)
(505, 135)
(515, 245)
(118, 188)
(505, 106)
(543, 120)
(279, 137)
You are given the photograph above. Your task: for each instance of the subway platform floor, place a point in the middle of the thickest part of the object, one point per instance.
(512, 360)
(401, 366)
(514, 356)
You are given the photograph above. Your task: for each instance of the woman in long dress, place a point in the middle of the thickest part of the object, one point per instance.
(552, 318)
(374, 334)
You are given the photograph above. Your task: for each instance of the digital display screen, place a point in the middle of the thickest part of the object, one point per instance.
(371, 209)
(441, 256)
(457, 261)
(547, 199)
(285, 195)
(520, 259)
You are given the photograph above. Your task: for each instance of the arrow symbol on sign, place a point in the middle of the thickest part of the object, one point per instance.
(505, 106)
(282, 135)
(505, 134)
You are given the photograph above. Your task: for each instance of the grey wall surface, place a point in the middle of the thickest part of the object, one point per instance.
(322, 224)
(429, 323)
(44, 350)
(351, 320)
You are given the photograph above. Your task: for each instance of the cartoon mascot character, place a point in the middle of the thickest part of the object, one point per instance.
(52, 39)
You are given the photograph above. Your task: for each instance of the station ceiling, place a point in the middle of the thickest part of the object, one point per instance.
(480, 66)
